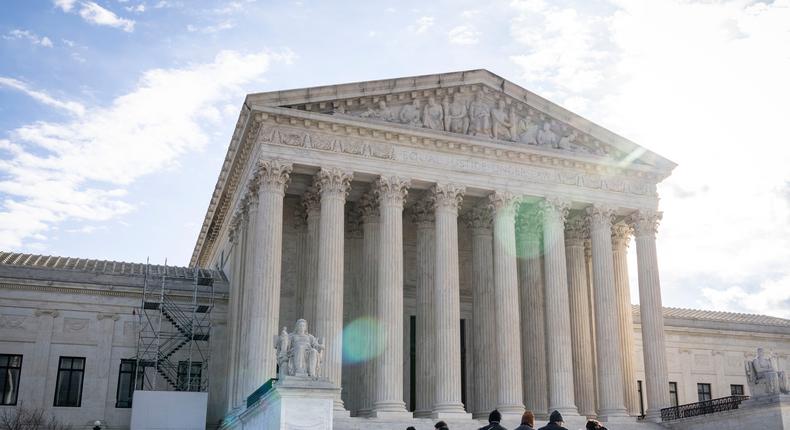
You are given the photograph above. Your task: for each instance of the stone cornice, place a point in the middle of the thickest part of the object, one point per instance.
(105, 290)
(291, 127)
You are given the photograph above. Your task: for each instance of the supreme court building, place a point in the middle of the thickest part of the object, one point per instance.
(459, 243)
(333, 199)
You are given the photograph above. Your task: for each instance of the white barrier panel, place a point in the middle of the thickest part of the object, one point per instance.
(171, 410)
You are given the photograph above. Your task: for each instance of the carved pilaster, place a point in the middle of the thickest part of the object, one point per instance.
(311, 200)
(353, 218)
(369, 207)
(575, 232)
(422, 213)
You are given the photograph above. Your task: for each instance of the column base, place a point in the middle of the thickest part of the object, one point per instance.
(653, 415)
(510, 409)
(391, 415)
(389, 409)
(451, 415)
(422, 414)
(566, 411)
(615, 416)
(339, 410)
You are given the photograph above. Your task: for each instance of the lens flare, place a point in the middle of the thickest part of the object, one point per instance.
(360, 340)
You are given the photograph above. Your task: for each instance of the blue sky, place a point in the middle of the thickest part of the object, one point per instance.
(115, 115)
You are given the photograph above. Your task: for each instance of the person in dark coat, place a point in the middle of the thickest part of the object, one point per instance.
(555, 422)
(595, 425)
(493, 421)
(527, 421)
(441, 425)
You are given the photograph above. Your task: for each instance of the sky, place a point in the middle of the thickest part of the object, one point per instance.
(115, 115)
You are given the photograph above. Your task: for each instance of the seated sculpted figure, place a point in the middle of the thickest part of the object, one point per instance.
(764, 377)
(302, 356)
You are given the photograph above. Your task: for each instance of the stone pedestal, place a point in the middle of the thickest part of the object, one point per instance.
(292, 403)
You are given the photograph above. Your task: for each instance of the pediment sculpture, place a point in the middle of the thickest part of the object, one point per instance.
(482, 115)
(299, 354)
(764, 376)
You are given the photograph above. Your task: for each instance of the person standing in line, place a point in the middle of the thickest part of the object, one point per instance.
(441, 425)
(555, 422)
(527, 421)
(493, 421)
(595, 425)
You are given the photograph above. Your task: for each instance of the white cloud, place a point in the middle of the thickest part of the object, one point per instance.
(77, 170)
(209, 29)
(29, 36)
(711, 94)
(140, 8)
(423, 24)
(463, 35)
(65, 5)
(40, 96)
(96, 14)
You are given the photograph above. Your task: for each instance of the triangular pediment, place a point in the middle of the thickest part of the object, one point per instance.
(474, 103)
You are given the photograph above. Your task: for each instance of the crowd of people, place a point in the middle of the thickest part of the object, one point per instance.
(556, 422)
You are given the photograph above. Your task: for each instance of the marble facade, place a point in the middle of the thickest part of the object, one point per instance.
(329, 170)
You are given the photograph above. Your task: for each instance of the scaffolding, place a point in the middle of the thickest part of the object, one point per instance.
(174, 329)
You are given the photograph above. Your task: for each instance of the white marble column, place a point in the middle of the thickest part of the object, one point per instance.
(249, 218)
(558, 325)
(621, 235)
(389, 304)
(610, 371)
(645, 225)
(299, 222)
(271, 178)
(311, 202)
(447, 304)
(333, 185)
(510, 401)
(234, 308)
(423, 218)
(484, 382)
(533, 328)
(591, 301)
(369, 207)
(352, 308)
(584, 390)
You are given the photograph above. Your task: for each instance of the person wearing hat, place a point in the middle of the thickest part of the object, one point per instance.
(555, 422)
(441, 425)
(493, 421)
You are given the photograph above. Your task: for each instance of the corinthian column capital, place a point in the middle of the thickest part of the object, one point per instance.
(333, 181)
(554, 209)
(600, 216)
(311, 200)
(422, 213)
(621, 235)
(448, 196)
(369, 207)
(273, 175)
(645, 222)
(503, 203)
(575, 231)
(479, 219)
(392, 190)
(251, 196)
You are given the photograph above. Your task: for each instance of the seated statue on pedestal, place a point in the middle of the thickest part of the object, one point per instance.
(764, 377)
(298, 353)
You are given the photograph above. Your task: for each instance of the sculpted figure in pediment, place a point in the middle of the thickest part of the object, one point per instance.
(382, 112)
(546, 136)
(456, 120)
(527, 131)
(411, 115)
(568, 141)
(479, 117)
(433, 115)
(501, 122)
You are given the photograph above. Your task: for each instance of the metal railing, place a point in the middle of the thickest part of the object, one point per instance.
(702, 408)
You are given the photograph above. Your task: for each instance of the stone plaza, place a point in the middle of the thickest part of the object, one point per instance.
(457, 244)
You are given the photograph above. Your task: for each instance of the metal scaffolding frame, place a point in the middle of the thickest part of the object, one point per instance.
(174, 331)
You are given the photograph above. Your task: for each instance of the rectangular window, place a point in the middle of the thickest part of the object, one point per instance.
(71, 372)
(10, 367)
(736, 390)
(189, 376)
(673, 393)
(703, 392)
(126, 374)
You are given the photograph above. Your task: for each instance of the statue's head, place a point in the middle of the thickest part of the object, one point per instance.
(431, 100)
(760, 352)
(382, 104)
(416, 102)
(500, 104)
(301, 326)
